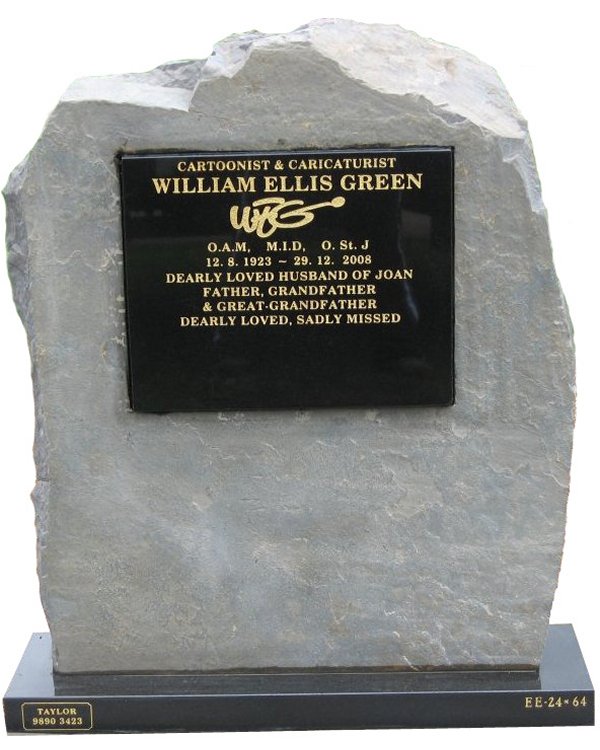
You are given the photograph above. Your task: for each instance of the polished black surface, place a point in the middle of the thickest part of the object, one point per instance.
(560, 694)
(190, 350)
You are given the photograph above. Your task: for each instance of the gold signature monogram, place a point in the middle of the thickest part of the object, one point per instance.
(266, 215)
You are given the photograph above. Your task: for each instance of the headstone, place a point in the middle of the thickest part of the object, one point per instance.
(303, 371)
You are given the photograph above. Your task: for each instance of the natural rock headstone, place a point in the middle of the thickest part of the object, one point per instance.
(370, 537)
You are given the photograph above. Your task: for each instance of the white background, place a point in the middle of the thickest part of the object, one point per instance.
(545, 52)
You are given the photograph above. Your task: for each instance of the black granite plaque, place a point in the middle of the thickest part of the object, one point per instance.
(296, 279)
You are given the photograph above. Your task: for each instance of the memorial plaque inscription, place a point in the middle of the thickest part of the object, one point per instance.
(296, 279)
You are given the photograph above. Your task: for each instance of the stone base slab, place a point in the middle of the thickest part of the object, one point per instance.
(559, 694)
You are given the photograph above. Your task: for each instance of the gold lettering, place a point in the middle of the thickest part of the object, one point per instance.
(186, 185)
(229, 165)
(365, 182)
(231, 291)
(381, 181)
(266, 215)
(391, 274)
(322, 290)
(194, 278)
(264, 320)
(203, 185)
(370, 318)
(319, 320)
(298, 183)
(210, 321)
(161, 184)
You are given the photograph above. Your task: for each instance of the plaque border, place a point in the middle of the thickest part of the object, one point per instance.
(378, 149)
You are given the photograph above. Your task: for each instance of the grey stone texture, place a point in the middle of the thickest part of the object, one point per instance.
(397, 537)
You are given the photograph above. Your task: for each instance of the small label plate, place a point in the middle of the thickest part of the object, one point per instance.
(63, 717)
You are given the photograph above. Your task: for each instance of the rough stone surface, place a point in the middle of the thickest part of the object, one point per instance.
(396, 537)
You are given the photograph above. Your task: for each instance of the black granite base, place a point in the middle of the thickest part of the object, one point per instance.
(561, 693)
